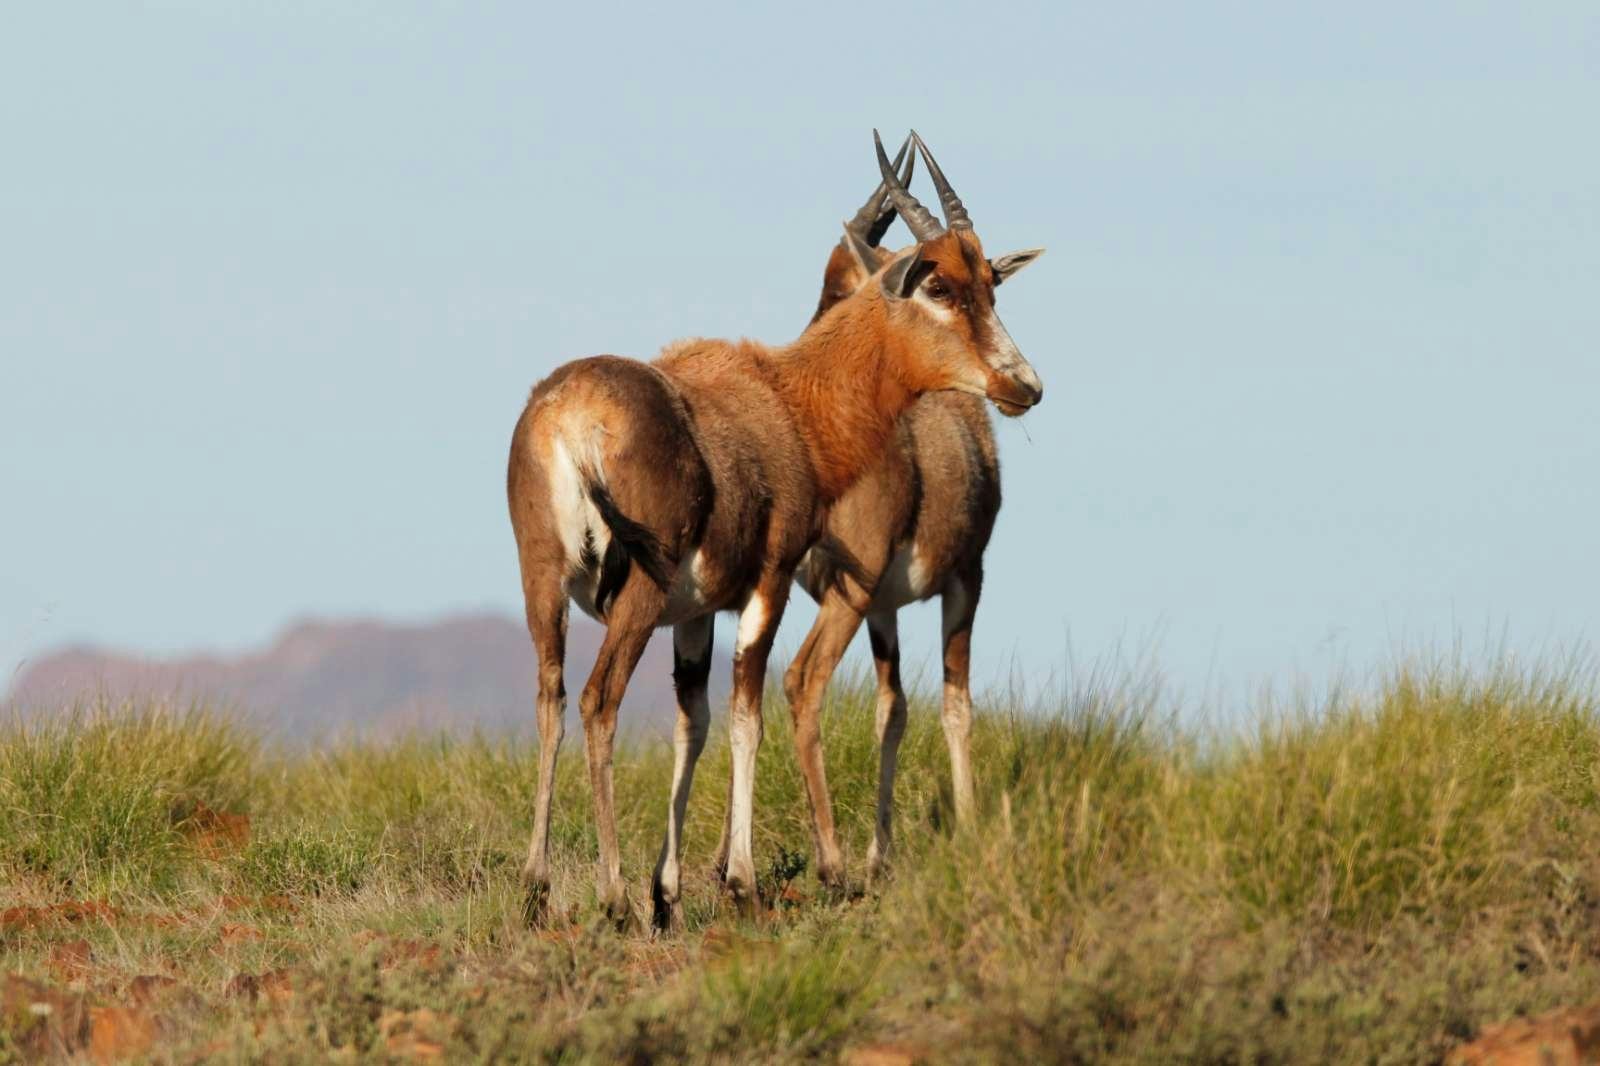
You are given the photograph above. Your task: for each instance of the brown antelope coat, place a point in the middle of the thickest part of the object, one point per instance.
(661, 493)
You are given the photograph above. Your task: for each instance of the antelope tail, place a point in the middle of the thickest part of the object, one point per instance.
(630, 541)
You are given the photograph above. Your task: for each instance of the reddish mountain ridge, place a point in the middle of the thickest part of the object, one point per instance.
(329, 678)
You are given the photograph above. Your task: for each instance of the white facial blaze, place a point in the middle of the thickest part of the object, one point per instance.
(972, 378)
(941, 312)
(1005, 357)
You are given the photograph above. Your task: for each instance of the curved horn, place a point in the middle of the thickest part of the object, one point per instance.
(874, 219)
(955, 214)
(886, 216)
(923, 226)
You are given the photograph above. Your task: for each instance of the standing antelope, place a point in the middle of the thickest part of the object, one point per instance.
(915, 525)
(660, 493)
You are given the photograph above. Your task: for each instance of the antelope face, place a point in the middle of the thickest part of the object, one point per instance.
(939, 295)
(942, 294)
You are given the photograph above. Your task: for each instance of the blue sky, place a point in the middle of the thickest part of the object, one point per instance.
(1318, 324)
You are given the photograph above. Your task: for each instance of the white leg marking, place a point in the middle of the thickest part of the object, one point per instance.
(752, 622)
(957, 716)
(745, 739)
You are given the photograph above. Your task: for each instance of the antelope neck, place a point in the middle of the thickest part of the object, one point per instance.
(841, 381)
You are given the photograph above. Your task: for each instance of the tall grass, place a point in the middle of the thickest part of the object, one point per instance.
(1370, 879)
(97, 795)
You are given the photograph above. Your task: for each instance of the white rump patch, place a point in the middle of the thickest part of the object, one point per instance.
(577, 522)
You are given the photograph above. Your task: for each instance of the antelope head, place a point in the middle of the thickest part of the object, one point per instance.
(939, 293)
(857, 256)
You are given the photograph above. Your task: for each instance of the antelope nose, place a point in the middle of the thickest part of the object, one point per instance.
(1028, 381)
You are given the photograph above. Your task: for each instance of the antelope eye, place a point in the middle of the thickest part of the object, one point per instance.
(937, 290)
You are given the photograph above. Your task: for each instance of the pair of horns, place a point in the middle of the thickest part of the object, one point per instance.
(891, 197)
(923, 226)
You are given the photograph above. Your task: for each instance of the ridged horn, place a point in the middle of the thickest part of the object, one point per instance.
(923, 226)
(877, 215)
(955, 213)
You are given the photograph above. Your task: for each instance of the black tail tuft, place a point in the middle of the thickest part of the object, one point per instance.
(630, 543)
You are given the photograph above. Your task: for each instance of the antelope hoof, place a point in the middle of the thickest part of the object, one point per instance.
(536, 904)
(832, 876)
(666, 915)
(878, 868)
(618, 913)
(746, 898)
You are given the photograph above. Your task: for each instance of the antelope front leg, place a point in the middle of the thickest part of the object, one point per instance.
(691, 666)
(960, 604)
(758, 624)
(806, 684)
(884, 633)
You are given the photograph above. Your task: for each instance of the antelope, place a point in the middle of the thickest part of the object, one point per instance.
(915, 525)
(658, 494)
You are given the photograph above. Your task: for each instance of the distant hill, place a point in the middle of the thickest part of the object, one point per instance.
(323, 678)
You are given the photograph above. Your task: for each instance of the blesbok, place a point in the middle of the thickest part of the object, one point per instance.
(661, 493)
(915, 525)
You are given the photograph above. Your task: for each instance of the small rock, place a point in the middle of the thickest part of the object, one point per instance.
(40, 1021)
(720, 942)
(16, 919)
(276, 985)
(792, 896)
(884, 1055)
(419, 1035)
(238, 933)
(420, 952)
(216, 833)
(118, 1033)
(362, 937)
(1559, 1038)
(149, 987)
(70, 961)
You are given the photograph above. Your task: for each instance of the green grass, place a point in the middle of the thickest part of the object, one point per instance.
(1370, 880)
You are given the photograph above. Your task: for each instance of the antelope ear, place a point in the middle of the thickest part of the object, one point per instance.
(1006, 265)
(865, 255)
(900, 280)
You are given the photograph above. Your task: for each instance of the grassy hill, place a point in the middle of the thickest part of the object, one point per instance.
(1373, 880)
